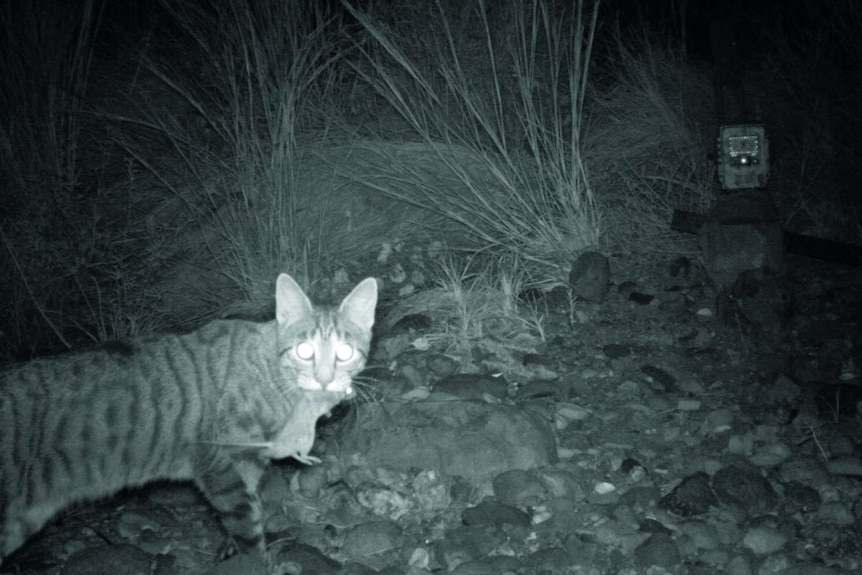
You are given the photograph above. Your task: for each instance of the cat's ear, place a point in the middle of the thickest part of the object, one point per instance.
(358, 306)
(291, 303)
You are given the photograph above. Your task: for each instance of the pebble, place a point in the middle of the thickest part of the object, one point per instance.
(659, 550)
(432, 490)
(498, 565)
(800, 497)
(693, 496)
(441, 365)
(109, 560)
(841, 446)
(763, 540)
(549, 560)
(296, 558)
(739, 565)
(719, 421)
(468, 542)
(518, 487)
(616, 351)
(373, 538)
(493, 512)
(561, 483)
(539, 389)
(472, 386)
(836, 513)
(744, 488)
(311, 480)
(702, 536)
(775, 565)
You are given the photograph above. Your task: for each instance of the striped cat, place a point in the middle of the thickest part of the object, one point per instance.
(212, 406)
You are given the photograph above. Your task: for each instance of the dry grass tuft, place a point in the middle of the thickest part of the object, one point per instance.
(509, 96)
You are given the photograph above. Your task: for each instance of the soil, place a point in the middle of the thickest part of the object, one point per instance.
(682, 442)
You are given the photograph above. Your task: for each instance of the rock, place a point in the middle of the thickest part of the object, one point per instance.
(701, 536)
(744, 488)
(807, 569)
(626, 288)
(776, 564)
(806, 470)
(472, 386)
(653, 526)
(467, 543)
(384, 501)
(411, 323)
(836, 513)
(590, 276)
(763, 540)
(665, 381)
(296, 558)
(493, 512)
(550, 560)
(109, 560)
(718, 421)
(783, 390)
(488, 566)
(660, 551)
(641, 298)
(476, 440)
(616, 350)
(311, 480)
(800, 497)
(353, 568)
(743, 234)
(372, 538)
(274, 487)
(680, 268)
(441, 365)
(739, 565)
(518, 486)
(432, 491)
(693, 496)
(539, 389)
(758, 303)
(558, 298)
(538, 359)
(845, 466)
(561, 483)
(841, 446)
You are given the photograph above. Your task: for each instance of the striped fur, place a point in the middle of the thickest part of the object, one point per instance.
(212, 406)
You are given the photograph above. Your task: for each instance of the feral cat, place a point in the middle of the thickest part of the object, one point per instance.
(212, 406)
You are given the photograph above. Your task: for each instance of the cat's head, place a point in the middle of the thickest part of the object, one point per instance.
(323, 347)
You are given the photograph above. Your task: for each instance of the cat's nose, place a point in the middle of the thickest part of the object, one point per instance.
(324, 374)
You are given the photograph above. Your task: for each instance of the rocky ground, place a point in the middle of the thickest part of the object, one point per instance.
(660, 433)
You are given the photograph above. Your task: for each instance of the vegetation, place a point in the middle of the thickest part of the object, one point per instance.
(161, 171)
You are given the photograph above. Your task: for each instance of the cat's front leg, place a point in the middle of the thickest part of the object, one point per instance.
(230, 485)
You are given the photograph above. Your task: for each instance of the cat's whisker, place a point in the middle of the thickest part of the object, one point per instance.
(365, 391)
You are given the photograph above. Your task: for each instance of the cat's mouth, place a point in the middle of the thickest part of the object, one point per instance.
(296, 438)
(338, 386)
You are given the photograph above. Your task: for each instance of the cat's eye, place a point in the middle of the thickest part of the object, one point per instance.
(344, 351)
(305, 350)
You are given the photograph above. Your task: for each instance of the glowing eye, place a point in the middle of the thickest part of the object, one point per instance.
(305, 350)
(344, 351)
